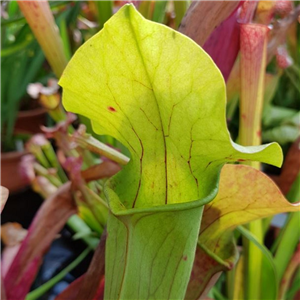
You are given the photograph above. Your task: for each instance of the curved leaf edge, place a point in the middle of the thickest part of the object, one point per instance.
(118, 209)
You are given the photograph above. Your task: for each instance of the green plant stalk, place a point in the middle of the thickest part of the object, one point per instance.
(288, 243)
(105, 11)
(40, 170)
(41, 21)
(41, 290)
(293, 196)
(58, 114)
(294, 192)
(230, 275)
(267, 254)
(180, 8)
(40, 156)
(254, 262)
(238, 287)
(289, 236)
(98, 206)
(253, 64)
(52, 158)
(92, 144)
(65, 39)
(159, 11)
(80, 227)
(294, 81)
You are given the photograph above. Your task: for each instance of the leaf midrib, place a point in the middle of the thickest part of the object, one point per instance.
(160, 119)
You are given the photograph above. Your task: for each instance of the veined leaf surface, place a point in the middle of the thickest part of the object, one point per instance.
(161, 95)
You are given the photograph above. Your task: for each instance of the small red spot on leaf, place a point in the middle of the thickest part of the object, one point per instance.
(184, 258)
(244, 116)
(258, 133)
(111, 108)
(240, 159)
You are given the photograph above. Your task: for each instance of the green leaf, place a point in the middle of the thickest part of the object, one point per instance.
(160, 95)
(269, 274)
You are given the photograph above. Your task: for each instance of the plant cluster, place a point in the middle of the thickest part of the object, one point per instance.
(147, 174)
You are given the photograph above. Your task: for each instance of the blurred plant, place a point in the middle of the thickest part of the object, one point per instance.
(22, 58)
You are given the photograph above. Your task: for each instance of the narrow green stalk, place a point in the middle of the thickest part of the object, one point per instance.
(58, 114)
(40, 170)
(105, 11)
(52, 158)
(293, 196)
(65, 38)
(180, 8)
(217, 294)
(41, 290)
(92, 144)
(159, 11)
(254, 261)
(288, 239)
(288, 244)
(230, 275)
(293, 80)
(231, 108)
(80, 227)
(294, 193)
(262, 248)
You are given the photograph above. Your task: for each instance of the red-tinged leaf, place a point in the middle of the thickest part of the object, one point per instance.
(104, 170)
(224, 43)
(208, 266)
(47, 223)
(70, 293)
(206, 270)
(239, 201)
(4, 195)
(90, 286)
(203, 17)
(7, 257)
(73, 166)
